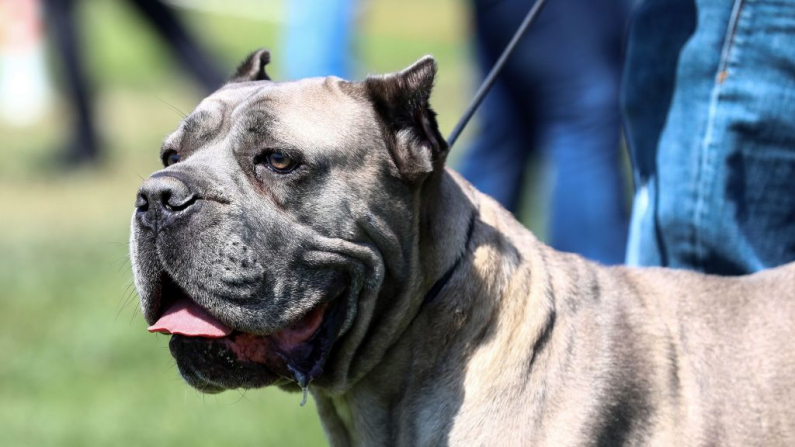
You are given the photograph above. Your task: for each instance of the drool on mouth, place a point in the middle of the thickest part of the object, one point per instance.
(297, 352)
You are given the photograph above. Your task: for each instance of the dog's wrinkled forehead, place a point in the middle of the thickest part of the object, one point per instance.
(315, 113)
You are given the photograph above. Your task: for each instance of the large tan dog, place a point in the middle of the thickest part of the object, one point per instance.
(307, 235)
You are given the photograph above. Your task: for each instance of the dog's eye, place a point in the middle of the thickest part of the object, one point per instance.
(280, 162)
(170, 157)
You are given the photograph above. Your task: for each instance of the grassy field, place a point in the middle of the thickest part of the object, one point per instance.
(78, 367)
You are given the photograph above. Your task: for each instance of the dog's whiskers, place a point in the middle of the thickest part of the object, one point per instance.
(242, 396)
(128, 298)
(135, 312)
(170, 366)
(172, 107)
(122, 261)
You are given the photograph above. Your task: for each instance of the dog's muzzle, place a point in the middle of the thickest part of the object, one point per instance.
(162, 199)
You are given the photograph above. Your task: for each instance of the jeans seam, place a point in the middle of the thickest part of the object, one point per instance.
(705, 178)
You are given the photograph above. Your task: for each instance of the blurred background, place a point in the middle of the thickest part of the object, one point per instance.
(78, 367)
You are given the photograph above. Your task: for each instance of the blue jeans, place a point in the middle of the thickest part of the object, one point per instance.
(558, 94)
(709, 99)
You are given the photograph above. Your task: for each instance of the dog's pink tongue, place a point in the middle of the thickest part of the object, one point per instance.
(186, 318)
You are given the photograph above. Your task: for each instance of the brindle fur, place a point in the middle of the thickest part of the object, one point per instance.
(523, 345)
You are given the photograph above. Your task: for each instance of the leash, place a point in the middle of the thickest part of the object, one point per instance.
(495, 71)
(470, 110)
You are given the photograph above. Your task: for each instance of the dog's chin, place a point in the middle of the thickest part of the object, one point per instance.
(295, 355)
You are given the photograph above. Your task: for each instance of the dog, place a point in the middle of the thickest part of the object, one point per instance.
(308, 235)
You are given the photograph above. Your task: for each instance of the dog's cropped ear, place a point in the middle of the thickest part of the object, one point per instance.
(401, 100)
(253, 67)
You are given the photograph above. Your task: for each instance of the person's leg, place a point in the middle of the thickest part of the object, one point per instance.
(726, 158)
(581, 131)
(318, 38)
(198, 62)
(589, 214)
(562, 83)
(495, 161)
(84, 146)
(658, 31)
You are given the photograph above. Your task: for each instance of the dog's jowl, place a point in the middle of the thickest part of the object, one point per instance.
(308, 235)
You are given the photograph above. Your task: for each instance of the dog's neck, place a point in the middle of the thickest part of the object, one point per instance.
(469, 255)
(449, 211)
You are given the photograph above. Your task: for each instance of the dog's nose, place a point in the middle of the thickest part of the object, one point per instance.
(161, 199)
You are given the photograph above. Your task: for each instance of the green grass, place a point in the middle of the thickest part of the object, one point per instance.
(78, 367)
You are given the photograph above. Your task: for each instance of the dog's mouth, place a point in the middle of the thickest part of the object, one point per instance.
(212, 356)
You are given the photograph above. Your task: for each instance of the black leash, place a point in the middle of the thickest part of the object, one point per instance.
(495, 71)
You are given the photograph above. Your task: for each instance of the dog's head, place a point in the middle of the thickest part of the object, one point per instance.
(285, 214)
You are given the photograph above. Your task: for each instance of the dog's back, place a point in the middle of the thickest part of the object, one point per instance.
(731, 355)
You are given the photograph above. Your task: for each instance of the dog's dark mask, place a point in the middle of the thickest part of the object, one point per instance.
(284, 213)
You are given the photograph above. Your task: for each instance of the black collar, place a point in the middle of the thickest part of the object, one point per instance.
(441, 282)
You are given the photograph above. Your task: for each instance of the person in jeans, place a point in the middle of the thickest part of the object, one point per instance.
(709, 101)
(64, 26)
(558, 94)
